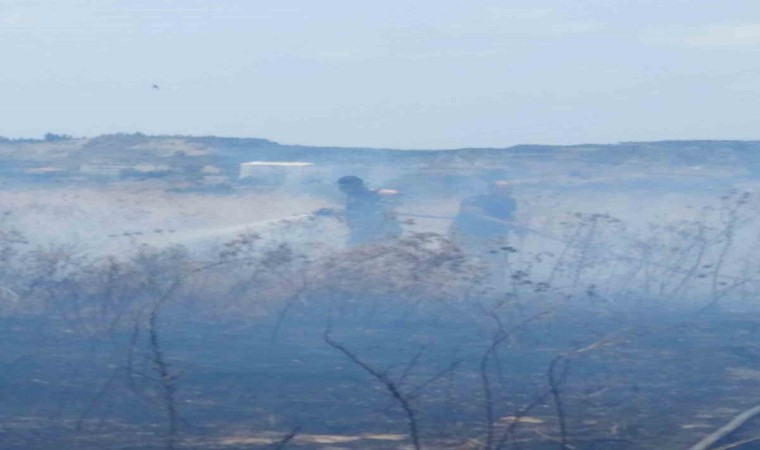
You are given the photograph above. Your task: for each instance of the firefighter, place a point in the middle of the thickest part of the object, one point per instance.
(485, 220)
(368, 212)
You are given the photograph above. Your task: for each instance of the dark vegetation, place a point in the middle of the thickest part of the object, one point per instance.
(601, 340)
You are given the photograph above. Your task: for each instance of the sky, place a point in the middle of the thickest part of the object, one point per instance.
(423, 74)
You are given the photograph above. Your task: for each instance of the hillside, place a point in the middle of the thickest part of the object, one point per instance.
(198, 162)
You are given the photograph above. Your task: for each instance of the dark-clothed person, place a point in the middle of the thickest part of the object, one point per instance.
(485, 219)
(482, 228)
(368, 214)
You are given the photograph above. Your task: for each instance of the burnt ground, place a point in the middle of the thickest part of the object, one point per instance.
(644, 380)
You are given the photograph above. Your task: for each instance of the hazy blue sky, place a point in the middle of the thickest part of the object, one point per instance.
(409, 74)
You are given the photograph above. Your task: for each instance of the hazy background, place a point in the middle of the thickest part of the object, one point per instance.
(426, 74)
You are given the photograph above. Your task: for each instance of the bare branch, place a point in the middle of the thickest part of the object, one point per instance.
(389, 384)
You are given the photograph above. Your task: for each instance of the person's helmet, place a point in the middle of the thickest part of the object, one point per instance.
(350, 180)
(350, 183)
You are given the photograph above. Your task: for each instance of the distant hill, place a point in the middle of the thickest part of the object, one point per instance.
(204, 161)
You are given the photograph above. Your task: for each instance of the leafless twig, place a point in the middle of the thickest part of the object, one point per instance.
(279, 445)
(390, 385)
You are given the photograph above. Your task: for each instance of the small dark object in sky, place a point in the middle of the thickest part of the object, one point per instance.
(155, 86)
